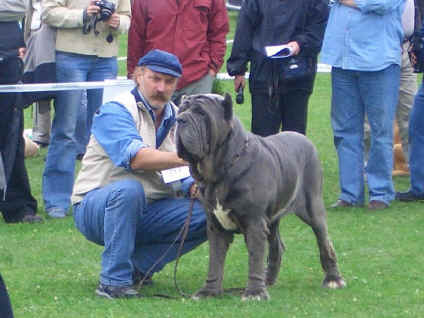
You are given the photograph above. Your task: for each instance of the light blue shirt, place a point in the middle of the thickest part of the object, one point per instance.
(115, 130)
(366, 38)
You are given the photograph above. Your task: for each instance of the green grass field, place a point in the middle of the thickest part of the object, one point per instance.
(52, 271)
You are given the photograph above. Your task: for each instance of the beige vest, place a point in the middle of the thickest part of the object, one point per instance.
(97, 170)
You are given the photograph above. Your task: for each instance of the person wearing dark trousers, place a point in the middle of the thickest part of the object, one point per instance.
(16, 201)
(279, 96)
(5, 305)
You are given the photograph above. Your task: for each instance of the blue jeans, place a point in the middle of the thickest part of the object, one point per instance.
(135, 234)
(354, 94)
(58, 176)
(416, 144)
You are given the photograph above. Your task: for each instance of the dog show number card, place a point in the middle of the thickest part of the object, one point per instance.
(174, 174)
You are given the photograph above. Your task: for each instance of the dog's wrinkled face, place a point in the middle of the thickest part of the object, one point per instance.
(203, 121)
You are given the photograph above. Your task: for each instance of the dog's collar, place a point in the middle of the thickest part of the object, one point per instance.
(227, 138)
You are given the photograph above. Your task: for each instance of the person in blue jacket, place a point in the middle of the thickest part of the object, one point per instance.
(362, 43)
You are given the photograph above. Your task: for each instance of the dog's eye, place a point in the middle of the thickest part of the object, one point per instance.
(181, 121)
(199, 111)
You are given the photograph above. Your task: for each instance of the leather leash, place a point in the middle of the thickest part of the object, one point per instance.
(182, 235)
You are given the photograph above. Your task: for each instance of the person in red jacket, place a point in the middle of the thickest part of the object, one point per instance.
(193, 30)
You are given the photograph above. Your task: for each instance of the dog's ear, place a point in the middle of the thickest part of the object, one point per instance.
(228, 107)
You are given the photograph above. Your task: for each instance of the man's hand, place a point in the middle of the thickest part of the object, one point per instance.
(349, 3)
(92, 9)
(239, 81)
(212, 72)
(194, 191)
(113, 21)
(294, 47)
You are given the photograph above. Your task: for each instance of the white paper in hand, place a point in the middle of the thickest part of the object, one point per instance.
(278, 51)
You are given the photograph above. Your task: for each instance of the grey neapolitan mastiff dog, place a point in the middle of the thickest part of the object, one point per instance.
(247, 183)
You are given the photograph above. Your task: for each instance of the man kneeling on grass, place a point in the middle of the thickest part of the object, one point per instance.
(120, 199)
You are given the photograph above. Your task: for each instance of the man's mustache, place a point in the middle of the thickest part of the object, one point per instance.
(160, 97)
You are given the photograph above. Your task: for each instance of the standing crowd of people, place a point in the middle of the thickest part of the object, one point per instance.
(176, 48)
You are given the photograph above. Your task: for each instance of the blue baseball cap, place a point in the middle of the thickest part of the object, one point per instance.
(162, 62)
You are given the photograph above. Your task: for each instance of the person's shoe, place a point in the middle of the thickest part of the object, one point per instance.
(408, 196)
(139, 277)
(32, 218)
(41, 143)
(113, 292)
(377, 205)
(56, 213)
(23, 218)
(341, 204)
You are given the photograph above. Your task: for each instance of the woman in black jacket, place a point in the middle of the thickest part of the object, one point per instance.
(277, 99)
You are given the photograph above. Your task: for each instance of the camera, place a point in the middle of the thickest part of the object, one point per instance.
(417, 47)
(107, 8)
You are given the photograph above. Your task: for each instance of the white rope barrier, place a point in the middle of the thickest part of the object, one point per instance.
(64, 86)
(121, 81)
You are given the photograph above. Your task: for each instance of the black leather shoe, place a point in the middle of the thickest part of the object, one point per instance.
(32, 218)
(23, 218)
(408, 196)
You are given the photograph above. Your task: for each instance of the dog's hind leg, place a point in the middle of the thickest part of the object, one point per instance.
(276, 249)
(219, 242)
(255, 235)
(315, 216)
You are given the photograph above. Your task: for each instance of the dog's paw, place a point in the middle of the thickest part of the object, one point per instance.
(334, 282)
(255, 294)
(205, 293)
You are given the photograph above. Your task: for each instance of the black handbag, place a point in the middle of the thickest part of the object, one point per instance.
(11, 68)
(296, 67)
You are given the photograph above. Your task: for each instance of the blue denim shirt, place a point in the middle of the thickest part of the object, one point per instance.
(121, 141)
(366, 38)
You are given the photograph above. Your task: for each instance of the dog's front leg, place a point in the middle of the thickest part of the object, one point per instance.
(255, 237)
(219, 242)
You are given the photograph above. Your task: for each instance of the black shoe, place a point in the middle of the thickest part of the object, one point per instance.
(41, 144)
(408, 196)
(23, 218)
(32, 218)
(139, 277)
(113, 292)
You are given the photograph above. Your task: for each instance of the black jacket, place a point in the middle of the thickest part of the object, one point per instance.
(273, 22)
(11, 38)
